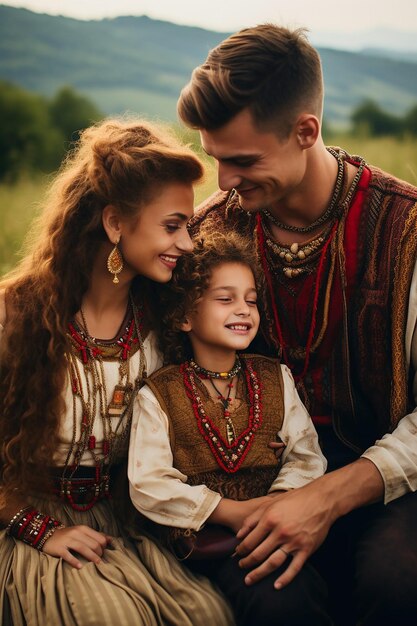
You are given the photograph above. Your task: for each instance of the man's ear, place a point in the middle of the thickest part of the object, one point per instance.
(308, 130)
(186, 325)
(111, 223)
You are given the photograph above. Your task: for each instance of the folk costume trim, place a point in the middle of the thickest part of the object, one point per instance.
(404, 265)
(115, 415)
(228, 455)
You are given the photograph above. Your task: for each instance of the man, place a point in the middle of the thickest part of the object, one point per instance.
(337, 239)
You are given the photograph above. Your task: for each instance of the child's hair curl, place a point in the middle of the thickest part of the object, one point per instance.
(191, 279)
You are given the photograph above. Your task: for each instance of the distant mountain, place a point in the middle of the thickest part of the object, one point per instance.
(141, 64)
(387, 39)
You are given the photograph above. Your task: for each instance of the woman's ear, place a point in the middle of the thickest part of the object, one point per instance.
(112, 223)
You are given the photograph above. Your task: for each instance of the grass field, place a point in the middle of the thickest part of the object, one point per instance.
(19, 203)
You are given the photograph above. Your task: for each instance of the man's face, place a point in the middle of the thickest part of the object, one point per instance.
(264, 169)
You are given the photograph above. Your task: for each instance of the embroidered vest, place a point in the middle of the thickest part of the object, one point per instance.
(369, 384)
(191, 452)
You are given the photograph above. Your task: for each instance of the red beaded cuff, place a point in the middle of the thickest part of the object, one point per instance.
(32, 527)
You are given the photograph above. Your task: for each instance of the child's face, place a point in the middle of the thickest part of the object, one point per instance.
(226, 317)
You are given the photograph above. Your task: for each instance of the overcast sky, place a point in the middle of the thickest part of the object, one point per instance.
(230, 15)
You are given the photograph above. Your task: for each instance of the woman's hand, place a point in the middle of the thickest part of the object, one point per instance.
(83, 540)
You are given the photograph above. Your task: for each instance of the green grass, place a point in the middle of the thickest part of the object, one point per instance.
(397, 156)
(20, 202)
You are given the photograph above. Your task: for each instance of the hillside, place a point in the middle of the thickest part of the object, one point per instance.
(140, 64)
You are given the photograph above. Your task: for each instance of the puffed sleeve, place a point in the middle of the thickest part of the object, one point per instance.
(157, 489)
(302, 459)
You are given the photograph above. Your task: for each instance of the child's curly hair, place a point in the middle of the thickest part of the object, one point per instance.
(191, 279)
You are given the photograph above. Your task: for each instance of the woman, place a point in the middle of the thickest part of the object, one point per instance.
(77, 328)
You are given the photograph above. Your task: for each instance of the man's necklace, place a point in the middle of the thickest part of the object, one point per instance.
(330, 209)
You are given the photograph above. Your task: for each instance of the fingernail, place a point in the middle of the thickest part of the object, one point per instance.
(278, 585)
(248, 580)
(232, 556)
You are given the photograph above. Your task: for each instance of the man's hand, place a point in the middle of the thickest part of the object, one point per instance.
(296, 523)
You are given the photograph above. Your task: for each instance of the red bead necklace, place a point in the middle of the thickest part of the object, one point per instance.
(228, 455)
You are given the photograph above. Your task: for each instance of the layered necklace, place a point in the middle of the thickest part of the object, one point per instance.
(230, 452)
(90, 392)
(307, 258)
(295, 259)
(324, 217)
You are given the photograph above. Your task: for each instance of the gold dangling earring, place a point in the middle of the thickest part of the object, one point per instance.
(115, 262)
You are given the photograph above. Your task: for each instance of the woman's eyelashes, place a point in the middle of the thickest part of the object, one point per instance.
(172, 227)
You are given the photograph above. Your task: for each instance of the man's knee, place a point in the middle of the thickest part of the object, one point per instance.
(386, 584)
(303, 601)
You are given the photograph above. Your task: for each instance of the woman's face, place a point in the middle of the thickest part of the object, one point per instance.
(152, 246)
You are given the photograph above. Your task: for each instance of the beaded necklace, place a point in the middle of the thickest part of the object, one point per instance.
(115, 415)
(203, 372)
(295, 259)
(335, 242)
(330, 208)
(229, 455)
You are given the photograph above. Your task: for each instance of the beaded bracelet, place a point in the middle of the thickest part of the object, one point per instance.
(33, 527)
(16, 517)
(47, 535)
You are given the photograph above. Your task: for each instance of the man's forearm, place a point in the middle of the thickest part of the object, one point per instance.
(351, 487)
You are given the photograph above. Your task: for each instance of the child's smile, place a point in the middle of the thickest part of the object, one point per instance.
(226, 317)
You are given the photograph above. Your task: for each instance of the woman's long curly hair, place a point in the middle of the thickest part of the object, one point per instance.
(124, 163)
(191, 279)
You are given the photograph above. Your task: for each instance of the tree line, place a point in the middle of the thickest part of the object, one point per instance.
(36, 132)
(369, 118)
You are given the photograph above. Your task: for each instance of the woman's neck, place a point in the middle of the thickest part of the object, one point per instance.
(104, 304)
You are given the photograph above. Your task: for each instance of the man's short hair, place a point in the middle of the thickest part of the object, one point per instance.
(273, 71)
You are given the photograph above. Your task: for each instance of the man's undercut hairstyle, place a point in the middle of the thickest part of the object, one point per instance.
(273, 71)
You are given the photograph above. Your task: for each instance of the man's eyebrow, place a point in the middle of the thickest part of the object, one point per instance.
(236, 157)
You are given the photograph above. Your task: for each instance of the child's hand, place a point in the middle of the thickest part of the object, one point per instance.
(278, 448)
(243, 508)
(81, 539)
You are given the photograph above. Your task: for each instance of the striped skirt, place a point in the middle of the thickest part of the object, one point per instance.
(135, 584)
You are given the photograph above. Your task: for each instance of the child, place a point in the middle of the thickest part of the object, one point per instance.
(201, 450)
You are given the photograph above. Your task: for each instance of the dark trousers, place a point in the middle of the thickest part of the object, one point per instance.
(369, 561)
(365, 573)
(301, 603)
